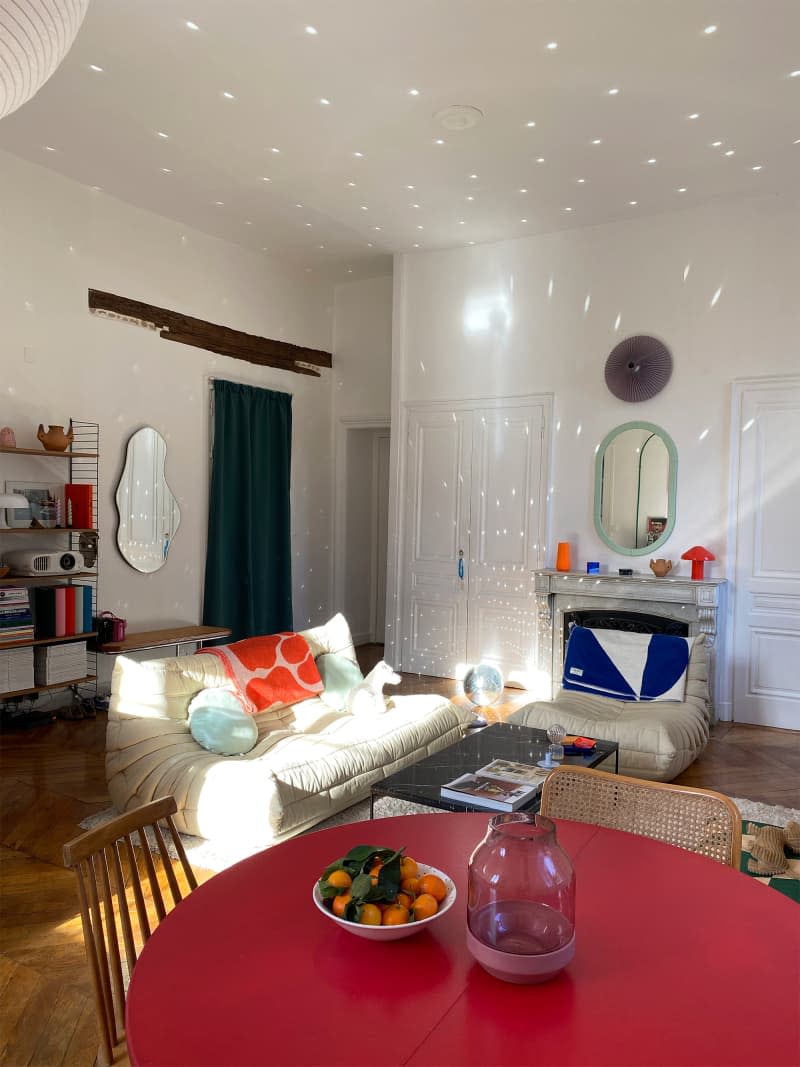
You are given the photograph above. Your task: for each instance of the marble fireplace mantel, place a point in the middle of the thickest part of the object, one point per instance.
(697, 603)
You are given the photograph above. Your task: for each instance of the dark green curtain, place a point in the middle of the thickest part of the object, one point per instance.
(248, 582)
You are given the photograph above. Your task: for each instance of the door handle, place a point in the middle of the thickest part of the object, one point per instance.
(461, 564)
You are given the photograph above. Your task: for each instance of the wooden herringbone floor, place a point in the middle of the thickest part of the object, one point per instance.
(52, 777)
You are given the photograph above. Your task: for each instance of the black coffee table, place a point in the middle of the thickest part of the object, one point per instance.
(420, 783)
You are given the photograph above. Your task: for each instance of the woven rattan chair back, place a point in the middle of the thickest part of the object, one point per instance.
(698, 820)
(122, 887)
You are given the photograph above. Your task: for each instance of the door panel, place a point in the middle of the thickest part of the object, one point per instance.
(506, 473)
(437, 510)
(766, 638)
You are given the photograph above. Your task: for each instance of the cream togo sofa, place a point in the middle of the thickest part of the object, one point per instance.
(657, 738)
(310, 760)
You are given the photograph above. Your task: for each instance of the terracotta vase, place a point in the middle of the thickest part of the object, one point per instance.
(660, 567)
(55, 440)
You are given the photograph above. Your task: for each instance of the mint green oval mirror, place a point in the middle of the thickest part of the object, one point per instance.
(636, 474)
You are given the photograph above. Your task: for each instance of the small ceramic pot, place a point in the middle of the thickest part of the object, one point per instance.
(55, 440)
(660, 567)
(7, 438)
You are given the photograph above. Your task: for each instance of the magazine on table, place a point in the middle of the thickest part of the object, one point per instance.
(484, 790)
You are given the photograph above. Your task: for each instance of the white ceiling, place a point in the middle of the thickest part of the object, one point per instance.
(503, 178)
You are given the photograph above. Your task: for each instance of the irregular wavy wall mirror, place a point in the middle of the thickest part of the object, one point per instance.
(149, 515)
(635, 481)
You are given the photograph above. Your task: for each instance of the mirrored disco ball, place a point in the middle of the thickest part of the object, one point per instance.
(556, 734)
(483, 684)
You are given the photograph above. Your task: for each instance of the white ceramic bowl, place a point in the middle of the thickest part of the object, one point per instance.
(392, 933)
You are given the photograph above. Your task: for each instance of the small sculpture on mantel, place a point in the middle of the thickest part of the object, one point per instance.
(55, 439)
(660, 567)
(8, 439)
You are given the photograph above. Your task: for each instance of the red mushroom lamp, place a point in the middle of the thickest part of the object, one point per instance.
(699, 556)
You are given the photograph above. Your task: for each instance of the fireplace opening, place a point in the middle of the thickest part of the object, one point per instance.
(635, 622)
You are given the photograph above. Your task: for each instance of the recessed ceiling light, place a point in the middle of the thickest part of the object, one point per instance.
(795, 74)
(709, 30)
(227, 95)
(312, 30)
(376, 227)
(540, 159)
(308, 225)
(470, 198)
(351, 185)
(730, 152)
(797, 141)
(415, 245)
(530, 124)
(523, 190)
(758, 166)
(633, 203)
(414, 205)
(523, 220)
(581, 181)
(568, 209)
(324, 101)
(473, 177)
(349, 270)
(95, 68)
(681, 190)
(472, 242)
(652, 161)
(438, 140)
(166, 170)
(716, 144)
(320, 246)
(413, 92)
(219, 203)
(364, 207)
(597, 140)
(694, 115)
(613, 92)
(277, 151)
(191, 25)
(298, 205)
(552, 46)
(461, 222)
(266, 179)
(420, 227)
(160, 133)
(49, 148)
(248, 222)
(358, 155)
(370, 244)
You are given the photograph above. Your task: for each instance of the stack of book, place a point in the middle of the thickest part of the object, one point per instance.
(16, 669)
(62, 610)
(501, 785)
(59, 663)
(16, 619)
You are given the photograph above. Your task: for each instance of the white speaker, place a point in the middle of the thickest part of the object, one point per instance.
(30, 563)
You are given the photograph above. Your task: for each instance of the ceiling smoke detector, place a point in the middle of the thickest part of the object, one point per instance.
(459, 117)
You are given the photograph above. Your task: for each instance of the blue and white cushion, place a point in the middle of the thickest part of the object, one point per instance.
(626, 666)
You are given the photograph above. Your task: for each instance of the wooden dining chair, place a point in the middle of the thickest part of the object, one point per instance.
(698, 820)
(120, 881)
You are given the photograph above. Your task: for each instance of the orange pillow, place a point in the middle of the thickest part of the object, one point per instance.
(270, 672)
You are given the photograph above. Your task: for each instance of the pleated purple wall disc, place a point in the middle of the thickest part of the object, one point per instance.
(638, 368)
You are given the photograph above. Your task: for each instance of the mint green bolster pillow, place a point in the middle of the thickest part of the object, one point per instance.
(218, 722)
(339, 675)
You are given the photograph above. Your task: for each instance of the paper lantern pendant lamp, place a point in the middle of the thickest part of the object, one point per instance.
(638, 368)
(35, 35)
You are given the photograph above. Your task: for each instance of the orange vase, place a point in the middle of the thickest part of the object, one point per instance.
(563, 561)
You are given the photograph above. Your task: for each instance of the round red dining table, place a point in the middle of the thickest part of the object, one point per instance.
(679, 960)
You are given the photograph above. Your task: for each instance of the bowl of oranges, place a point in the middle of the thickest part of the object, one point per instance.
(382, 894)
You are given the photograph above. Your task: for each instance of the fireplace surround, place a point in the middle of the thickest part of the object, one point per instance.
(641, 603)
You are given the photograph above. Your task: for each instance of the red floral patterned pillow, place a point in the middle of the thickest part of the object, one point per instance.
(270, 672)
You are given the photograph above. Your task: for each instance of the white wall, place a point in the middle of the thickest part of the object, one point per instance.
(361, 403)
(58, 239)
(718, 284)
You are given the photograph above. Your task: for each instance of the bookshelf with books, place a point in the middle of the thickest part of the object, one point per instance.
(46, 617)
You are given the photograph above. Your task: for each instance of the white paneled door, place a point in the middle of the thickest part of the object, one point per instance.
(766, 581)
(473, 533)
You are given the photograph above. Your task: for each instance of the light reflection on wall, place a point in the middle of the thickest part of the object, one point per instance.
(488, 314)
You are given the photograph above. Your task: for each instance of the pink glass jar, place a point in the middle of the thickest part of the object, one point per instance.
(521, 900)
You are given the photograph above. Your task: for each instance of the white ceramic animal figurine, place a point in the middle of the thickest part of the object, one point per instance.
(367, 697)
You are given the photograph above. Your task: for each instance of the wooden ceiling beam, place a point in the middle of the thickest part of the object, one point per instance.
(200, 333)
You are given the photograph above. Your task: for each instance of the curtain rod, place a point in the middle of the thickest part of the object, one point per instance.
(240, 381)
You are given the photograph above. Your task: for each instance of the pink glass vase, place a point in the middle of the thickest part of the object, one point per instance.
(521, 900)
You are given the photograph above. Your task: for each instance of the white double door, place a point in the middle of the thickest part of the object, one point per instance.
(766, 579)
(473, 532)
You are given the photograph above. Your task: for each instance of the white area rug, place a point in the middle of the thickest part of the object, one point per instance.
(217, 855)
